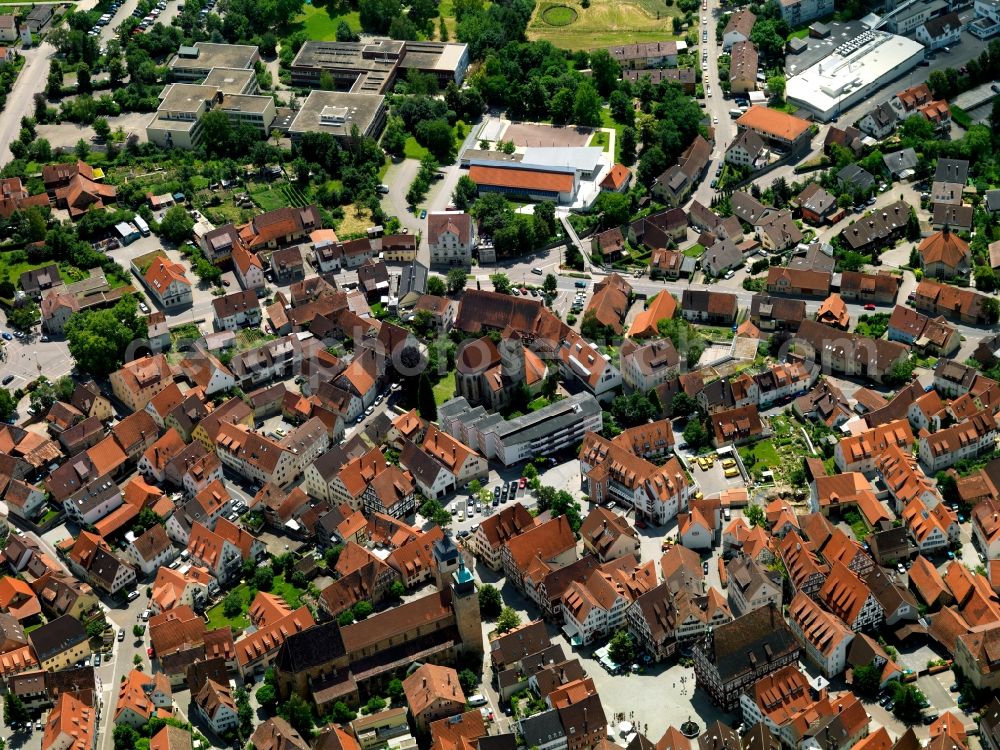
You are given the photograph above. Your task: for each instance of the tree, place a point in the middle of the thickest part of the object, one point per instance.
(394, 138)
(867, 680)
(464, 193)
(342, 713)
(776, 87)
(397, 589)
(7, 404)
(395, 689)
(232, 605)
(948, 487)
(549, 285)
(991, 310)
(244, 711)
(24, 316)
(615, 207)
(138, 630)
(101, 128)
(95, 628)
(426, 404)
(622, 110)
(629, 140)
(651, 165)
(586, 106)
(900, 372)
(755, 515)
(490, 602)
(83, 85)
(986, 279)
(501, 283)
(297, 713)
(43, 396)
(469, 680)
(695, 434)
(177, 225)
(125, 737)
(908, 702)
(345, 33)
(436, 286)
(621, 650)
(14, 711)
(913, 229)
(362, 610)
(345, 618)
(81, 150)
(508, 620)
(263, 578)
(605, 71)
(456, 280)
(267, 696)
(633, 409)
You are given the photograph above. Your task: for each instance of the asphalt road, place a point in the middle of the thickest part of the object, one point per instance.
(20, 102)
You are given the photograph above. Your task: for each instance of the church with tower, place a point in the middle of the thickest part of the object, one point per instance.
(329, 663)
(491, 368)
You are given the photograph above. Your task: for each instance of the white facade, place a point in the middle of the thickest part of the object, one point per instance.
(799, 12)
(950, 35)
(987, 21)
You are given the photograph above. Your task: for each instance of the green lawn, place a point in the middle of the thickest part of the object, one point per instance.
(269, 198)
(11, 272)
(601, 138)
(247, 592)
(445, 389)
(539, 403)
(695, 251)
(319, 25)
(764, 451)
(607, 122)
(800, 34)
(414, 150)
(216, 619)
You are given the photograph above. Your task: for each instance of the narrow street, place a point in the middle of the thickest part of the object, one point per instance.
(21, 101)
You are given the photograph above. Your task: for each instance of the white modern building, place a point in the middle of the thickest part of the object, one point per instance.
(987, 21)
(852, 73)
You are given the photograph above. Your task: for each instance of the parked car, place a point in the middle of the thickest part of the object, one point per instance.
(869, 306)
(121, 634)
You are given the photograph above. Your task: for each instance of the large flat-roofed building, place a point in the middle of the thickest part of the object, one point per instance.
(371, 68)
(553, 428)
(233, 80)
(337, 112)
(177, 122)
(852, 73)
(447, 62)
(193, 64)
(532, 181)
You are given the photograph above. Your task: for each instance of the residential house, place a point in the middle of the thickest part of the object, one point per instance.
(735, 655)
(451, 237)
(718, 308)
(944, 255)
(824, 636)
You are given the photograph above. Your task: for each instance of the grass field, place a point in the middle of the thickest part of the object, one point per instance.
(695, 251)
(413, 150)
(607, 122)
(355, 223)
(600, 138)
(12, 271)
(281, 587)
(445, 389)
(604, 23)
(765, 452)
(320, 25)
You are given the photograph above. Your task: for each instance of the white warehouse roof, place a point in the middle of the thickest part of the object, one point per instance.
(584, 159)
(854, 70)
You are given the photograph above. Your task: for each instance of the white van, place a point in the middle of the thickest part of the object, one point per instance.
(477, 700)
